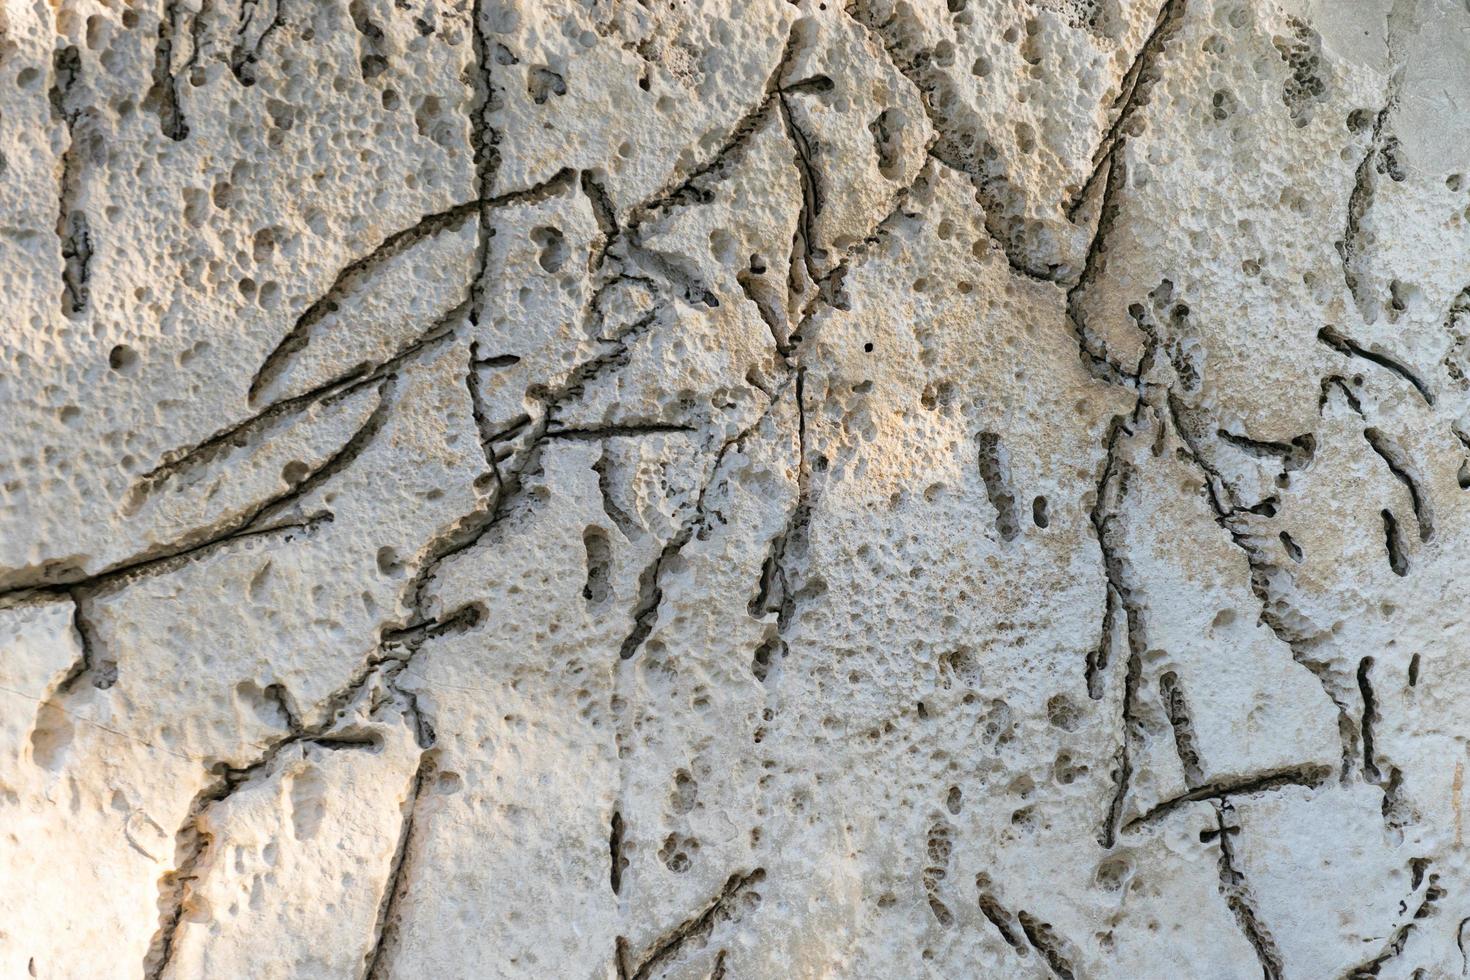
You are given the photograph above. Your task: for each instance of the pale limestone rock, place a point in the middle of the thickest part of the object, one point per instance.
(266, 870)
(768, 489)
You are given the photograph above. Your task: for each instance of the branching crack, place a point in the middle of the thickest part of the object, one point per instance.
(699, 927)
(992, 187)
(1240, 901)
(1263, 571)
(1092, 351)
(1111, 485)
(778, 590)
(1353, 246)
(687, 189)
(262, 519)
(401, 647)
(352, 276)
(1350, 348)
(1118, 594)
(806, 247)
(258, 20)
(1310, 775)
(190, 847)
(170, 557)
(1429, 881)
(467, 532)
(1133, 95)
(179, 462)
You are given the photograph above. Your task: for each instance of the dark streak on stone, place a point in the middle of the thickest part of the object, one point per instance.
(385, 929)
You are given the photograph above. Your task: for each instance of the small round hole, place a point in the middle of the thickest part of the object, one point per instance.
(123, 359)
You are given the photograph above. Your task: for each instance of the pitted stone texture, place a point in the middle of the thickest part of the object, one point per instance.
(896, 488)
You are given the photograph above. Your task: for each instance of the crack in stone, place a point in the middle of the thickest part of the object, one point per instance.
(255, 522)
(73, 228)
(246, 51)
(1348, 347)
(1404, 470)
(1309, 776)
(163, 96)
(385, 930)
(1134, 92)
(698, 926)
(192, 844)
(1216, 441)
(1241, 902)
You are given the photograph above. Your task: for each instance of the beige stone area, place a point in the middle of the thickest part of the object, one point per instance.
(734, 489)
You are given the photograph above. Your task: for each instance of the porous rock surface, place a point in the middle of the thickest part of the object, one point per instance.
(734, 488)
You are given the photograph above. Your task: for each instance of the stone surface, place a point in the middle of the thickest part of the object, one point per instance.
(734, 488)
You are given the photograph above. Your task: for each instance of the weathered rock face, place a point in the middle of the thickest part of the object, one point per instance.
(734, 488)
